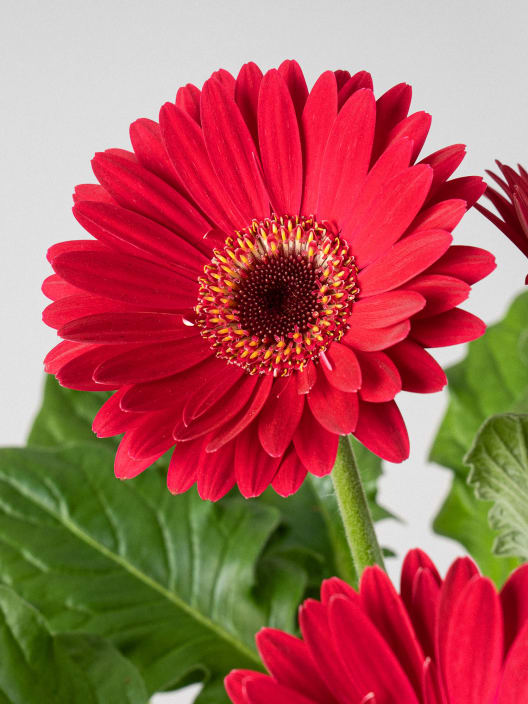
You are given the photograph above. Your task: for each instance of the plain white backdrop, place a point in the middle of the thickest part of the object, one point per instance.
(75, 74)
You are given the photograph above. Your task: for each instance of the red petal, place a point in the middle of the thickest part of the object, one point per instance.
(216, 474)
(423, 609)
(515, 604)
(315, 446)
(111, 419)
(75, 246)
(387, 612)
(419, 372)
(414, 561)
(290, 475)
(444, 162)
(459, 574)
(432, 687)
(445, 216)
(394, 161)
(292, 75)
(385, 309)
(474, 645)
(146, 139)
(416, 126)
(382, 430)
(55, 288)
(78, 373)
(152, 435)
(128, 279)
(188, 99)
(313, 620)
(123, 328)
(225, 79)
(280, 144)
(337, 411)
(471, 264)
(232, 152)
(232, 402)
(183, 140)
(183, 466)
(246, 95)
(341, 367)
(391, 108)
(289, 661)
(334, 585)
(450, 328)
(136, 235)
(403, 261)
(127, 468)
(306, 379)
(206, 395)
(318, 117)
(380, 378)
(468, 188)
(380, 672)
(80, 305)
(347, 156)
(514, 684)
(91, 191)
(61, 354)
(254, 468)
(250, 411)
(235, 684)
(373, 339)
(442, 293)
(341, 77)
(394, 211)
(153, 361)
(279, 419)
(361, 79)
(265, 690)
(135, 188)
(174, 390)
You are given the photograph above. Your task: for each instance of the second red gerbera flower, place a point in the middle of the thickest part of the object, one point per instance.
(451, 641)
(269, 267)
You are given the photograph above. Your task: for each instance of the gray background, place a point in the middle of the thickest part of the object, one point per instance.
(75, 74)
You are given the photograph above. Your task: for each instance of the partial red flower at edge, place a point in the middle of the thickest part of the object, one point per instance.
(451, 641)
(512, 209)
(269, 265)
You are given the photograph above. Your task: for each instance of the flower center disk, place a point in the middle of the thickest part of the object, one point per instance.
(277, 295)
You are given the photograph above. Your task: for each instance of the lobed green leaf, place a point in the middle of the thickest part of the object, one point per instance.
(499, 473)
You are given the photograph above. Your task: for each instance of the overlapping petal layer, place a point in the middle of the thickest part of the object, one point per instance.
(320, 191)
(511, 205)
(437, 642)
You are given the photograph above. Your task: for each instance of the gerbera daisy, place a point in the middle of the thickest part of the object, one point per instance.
(268, 268)
(452, 641)
(512, 209)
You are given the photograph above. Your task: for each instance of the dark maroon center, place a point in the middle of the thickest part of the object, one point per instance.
(278, 297)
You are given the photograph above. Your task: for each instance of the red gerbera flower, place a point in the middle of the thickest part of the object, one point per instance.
(269, 266)
(452, 641)
(513, 209)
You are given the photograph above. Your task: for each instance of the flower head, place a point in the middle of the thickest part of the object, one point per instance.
(512, 209)
(448, 641)
(269, 265)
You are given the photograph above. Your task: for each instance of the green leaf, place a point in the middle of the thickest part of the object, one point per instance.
(493, 378)
(499, 473)
(169, 580)
(66, 416)
(36, 666)
(310, 532)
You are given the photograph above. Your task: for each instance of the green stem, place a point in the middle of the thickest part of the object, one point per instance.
(354, 509)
